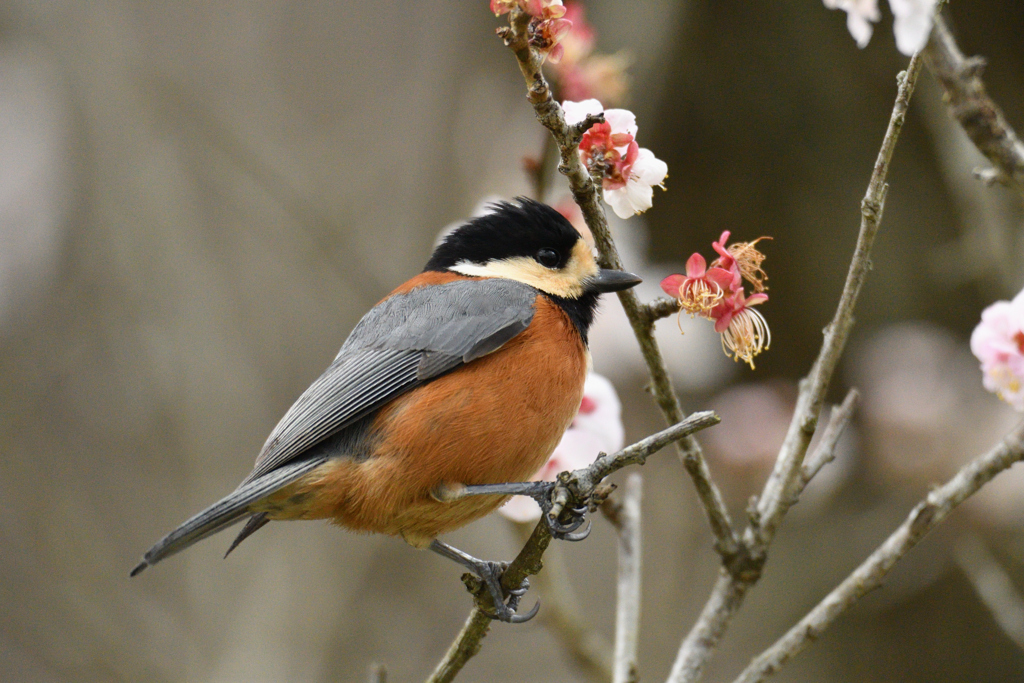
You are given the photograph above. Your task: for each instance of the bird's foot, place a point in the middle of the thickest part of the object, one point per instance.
(553, 497)
(490, 573)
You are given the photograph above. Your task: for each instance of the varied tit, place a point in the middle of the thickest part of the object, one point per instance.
(457, 383)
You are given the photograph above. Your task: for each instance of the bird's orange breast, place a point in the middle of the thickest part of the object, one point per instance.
(494, 420)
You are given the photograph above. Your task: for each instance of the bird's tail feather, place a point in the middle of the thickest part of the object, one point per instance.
(226, 511)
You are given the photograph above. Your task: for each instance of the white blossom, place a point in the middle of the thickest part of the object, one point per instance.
(859, 15)
(913, 23)
(638, 194)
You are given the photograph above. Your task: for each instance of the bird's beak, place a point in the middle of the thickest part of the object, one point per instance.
(612, 281)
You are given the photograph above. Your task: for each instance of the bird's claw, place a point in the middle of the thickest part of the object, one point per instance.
(577, 515)
(564, 532)
(573, 538)
(506, 611)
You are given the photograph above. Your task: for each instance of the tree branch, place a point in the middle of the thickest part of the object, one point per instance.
(784, 484)
(627, 612)
(577, 485)
(777, 490)
(589, 649)
(378, 673)
(826, 450)
(993, 585)
(869, 575)
(586, 194)
(659, 308)
(980, 117)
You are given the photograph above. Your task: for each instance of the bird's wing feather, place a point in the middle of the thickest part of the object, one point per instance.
(399, 344)
(227, 511)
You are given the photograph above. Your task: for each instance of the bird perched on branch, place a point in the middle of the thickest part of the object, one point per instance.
(450, 391)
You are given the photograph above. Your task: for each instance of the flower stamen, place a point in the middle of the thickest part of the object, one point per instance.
(747, 336)
(697, 296)
(749, 260)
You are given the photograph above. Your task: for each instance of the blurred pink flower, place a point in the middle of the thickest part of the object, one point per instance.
(580, 74)
(609, 150)
(568, 207)
(755, 420)
(998, 342)
(579, 43)
(597, 428)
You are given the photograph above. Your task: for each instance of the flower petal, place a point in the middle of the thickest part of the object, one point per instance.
(912, 24)
(722, 277)
(671, 284)
(696, 266)
(622, 121)
(578, 111)
(649, 169)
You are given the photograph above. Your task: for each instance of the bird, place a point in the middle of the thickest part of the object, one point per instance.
(446, 396)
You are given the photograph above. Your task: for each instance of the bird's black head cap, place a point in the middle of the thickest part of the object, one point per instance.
(523, 227)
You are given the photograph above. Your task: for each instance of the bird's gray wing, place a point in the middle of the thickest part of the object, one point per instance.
(227, 511)
(399, 344)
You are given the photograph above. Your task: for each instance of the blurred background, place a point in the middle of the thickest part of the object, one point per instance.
(198, 200)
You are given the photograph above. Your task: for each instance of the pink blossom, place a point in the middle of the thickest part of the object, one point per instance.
(597, 428)
(998, 342)
(544, 9)
(580, 74)
(579, 43)
(700, 290)
(717, 293)
(638, 193)
(547, 27)
(743, 260)
(609, 150)
(744, 331)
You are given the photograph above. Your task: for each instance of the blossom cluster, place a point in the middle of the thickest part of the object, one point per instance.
(548, 25)
(628, 172)
(717, 293)
(998, 342)
(912, 20)
(596, 429)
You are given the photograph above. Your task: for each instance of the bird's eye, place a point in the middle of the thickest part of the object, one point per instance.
(548, 258)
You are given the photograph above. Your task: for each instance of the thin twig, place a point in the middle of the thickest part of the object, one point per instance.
(587, 196)
(561, 615)
(658, 309)
(783, 484)
(378, 673)
(627, 612)
(980, 117)
(773, 504)
(869, 575)
(993, 585)
(577, 485)
(826, 450)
